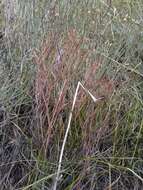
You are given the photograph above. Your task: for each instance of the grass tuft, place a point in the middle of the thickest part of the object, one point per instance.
(46, 48)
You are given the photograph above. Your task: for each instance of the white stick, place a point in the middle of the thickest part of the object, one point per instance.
(68, 128)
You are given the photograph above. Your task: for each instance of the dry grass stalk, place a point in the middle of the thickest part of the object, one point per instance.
(43, 88)
(68, 128)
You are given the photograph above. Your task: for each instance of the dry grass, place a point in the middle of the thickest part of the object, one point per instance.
(48, 120)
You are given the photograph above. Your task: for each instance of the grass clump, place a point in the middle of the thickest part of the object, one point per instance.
(46, 48)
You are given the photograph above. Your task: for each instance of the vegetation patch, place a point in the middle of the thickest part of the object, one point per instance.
(71, 95)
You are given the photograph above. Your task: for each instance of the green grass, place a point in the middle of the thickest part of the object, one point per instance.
(46, 47)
